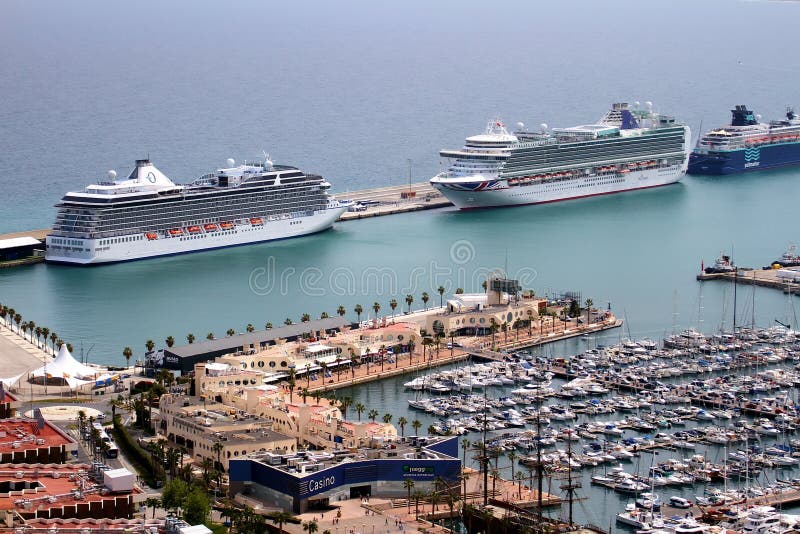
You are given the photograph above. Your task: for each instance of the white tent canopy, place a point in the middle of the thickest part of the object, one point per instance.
(9, 382)
(65, 366)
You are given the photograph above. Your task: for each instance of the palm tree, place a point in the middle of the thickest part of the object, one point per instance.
(170, 341)
(359, 310)
(292, 383)
(408, 484)
(149, 345)
(38, 333)
(250, 328)
(190, 338)
(415, 424)
(409, 301)
(210, 336)
(387, 418)
(53, 339)
(520, 476)
(230, 332)
(512, 456)
(17, 319)
(425, 299)
(153, 503)
(589, 303)
(440, 290)
(279, 518)
(324, 315)
(31, 327)
(341, 311)
(304, 394)
(377, 307)
(311, 527)
(305, 318)
(127, 352)
(344, 403)
(393, 305)
(45, 333)
(504, 328)
(359, 409)
(493, 327)
(402, 422)
(288, 321)
(529, 313)
(373, 414)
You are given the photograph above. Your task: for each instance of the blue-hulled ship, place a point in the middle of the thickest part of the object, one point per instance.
(748, 145)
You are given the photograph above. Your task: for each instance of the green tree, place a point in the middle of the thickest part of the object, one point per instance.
(377, 307)
(153, 503)
(409, 301)
(196, 507)
(230, 332)
(190, 338)
(408, 484)
(341, 311)
(210, 336)
(360, 409)
(267, 325)
(250, 328)
(170, 341)
(311, 526)
(324, 315)
(440, 290)
(344, 404)
(416, 424)
(305, 318)
(387, 418)
(127, 352)
(402, 422)
(373, 414)
(359, 310)
(393, 305)
(279, 518)
(176, 490)
(149, 345)
(53, 339)
(425, 299)
(589, 303)
(288, 321)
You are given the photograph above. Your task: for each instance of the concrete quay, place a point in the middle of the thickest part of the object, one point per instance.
(755, 277)
(393, 199)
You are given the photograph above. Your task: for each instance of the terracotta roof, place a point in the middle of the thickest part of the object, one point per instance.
(25, 434)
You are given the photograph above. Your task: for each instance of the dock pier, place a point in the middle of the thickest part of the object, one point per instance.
(747, 276)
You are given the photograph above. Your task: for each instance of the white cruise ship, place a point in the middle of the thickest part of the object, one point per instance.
(147, 215)
(629, 148)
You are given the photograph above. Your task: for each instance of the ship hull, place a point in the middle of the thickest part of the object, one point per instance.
(540, 193)
(745, 160)
(69, 251)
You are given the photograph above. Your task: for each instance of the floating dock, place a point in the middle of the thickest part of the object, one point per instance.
(756, 277)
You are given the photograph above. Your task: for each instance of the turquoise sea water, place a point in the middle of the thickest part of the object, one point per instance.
(353, 90)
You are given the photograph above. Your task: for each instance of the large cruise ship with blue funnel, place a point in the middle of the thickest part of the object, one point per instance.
(629, 148)
(747, 144)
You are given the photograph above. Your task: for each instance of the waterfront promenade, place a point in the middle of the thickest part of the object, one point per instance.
(422, 359)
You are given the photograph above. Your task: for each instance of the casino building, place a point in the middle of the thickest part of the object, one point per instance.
(310, 480)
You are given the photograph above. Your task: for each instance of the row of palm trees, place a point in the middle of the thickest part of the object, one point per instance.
(10, 316)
